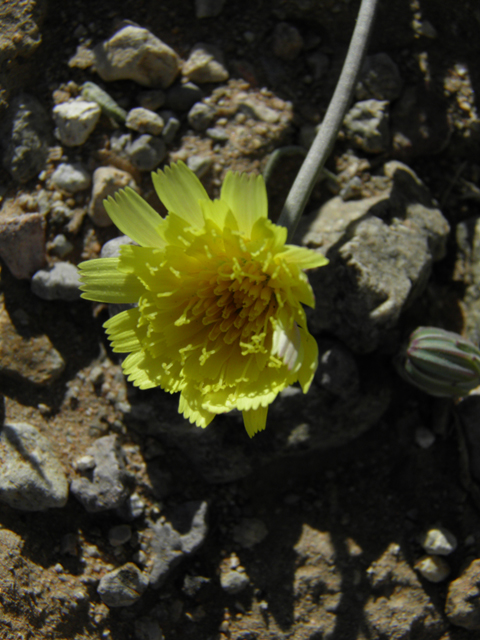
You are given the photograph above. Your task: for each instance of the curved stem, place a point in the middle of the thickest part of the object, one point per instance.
(327, 134)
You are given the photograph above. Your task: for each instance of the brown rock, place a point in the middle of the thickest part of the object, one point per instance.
(32, 359)
(463, 598)
(398, 608)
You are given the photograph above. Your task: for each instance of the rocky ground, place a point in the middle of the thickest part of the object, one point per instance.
(355, 515)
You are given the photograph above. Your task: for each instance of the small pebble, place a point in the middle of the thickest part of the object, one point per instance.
(60, 246)
(205, 64)
(144, 121)
(170, 130)
(85, 463)
(424, 437)
(75, 121)
(71, 178)
(119, 535)
(201, 116)
(152, 100)
(433, 568)
(147, 152)
(439, 541)
(61, 282)
(182, 96)
(199, 164)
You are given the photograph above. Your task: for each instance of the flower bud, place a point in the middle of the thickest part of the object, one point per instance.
(440, 362)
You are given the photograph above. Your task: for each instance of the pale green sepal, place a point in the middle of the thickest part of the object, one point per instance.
(255, 420)
(103, 282)
(180, 191)
(135, 218)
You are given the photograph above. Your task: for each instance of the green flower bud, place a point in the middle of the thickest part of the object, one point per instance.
(440, 362)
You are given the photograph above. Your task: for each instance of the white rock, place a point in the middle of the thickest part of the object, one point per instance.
(136, 54)
(71, 177)
(61, 246)
(205, 64)
(75, 120)
(106, 181)
(439, 541)
(433, 568)
(144, 121)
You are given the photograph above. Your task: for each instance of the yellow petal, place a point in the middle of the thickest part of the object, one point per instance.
(124, 333)
(135, 218)
(180, 191)
(310, 360)
(198, 415)
(303, 257)
(103, 282)
(216, 211)
(246, 196)
(255, 420)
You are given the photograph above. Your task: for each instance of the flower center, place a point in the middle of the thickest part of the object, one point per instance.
(237, 301)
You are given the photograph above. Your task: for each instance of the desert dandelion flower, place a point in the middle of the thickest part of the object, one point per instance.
(219, 315)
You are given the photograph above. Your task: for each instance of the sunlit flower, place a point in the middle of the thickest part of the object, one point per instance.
(219, 315)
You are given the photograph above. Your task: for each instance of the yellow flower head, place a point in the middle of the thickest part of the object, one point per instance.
(219, 315)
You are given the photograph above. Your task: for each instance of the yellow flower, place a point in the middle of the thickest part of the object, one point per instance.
(219, 315)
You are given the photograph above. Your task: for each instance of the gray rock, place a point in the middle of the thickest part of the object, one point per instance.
(31, 476)
(366, 125)
(249, 532)
(169, 547)
(182, 96)
(381, 250)
(144, 121)
(122, 587)
(75, 120)
(111, 249)
(256, 109)
(439, 541)
(119, 535)
(27, 359)
(205, 64)
(171, 129)
(71, 178)
(61, 282)
(22, 244)
(233, 577)
(25, 133)
(463, 598)
(218, 134)
(379, 79)
(153, 99)
(103, 487)
(208, 8)
(199, 164)
(201, 116)
(147, 152)
(136, 54)
(147, 629)
(106, 182)
(287, 41)
(60, 246)
(132, 509)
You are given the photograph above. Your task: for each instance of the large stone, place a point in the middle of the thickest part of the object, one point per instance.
(122, 587)
(136, 54)
(75, 120)
(25, 132)
(173, 541)
(22, 243)
(398, 607)
(103, 486)
(31, 476)
(463, 598)
(381, 251)
(27, 358)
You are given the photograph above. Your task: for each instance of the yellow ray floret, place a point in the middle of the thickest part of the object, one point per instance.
(219, 315)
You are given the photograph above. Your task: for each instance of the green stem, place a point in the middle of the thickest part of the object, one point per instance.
(327, 134)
